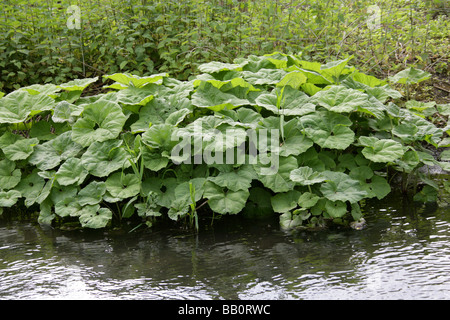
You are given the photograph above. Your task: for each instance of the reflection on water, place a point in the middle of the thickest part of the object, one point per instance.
(403, 254)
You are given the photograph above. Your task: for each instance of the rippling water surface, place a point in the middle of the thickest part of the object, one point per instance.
(404, 253)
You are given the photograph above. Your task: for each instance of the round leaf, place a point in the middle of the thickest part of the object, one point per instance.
(224, 202)
(70, 172)
(123, 185)
(328, 129)
(103, 158)
(385, 150)
(9, 198)
(306, 176)
(92, 193)
(9, 175)
(101, 121)
(95, 217)
(340, 187)
(48, 155)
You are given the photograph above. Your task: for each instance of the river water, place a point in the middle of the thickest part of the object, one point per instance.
(403, 253)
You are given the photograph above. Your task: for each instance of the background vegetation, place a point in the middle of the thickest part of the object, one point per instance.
(145, 37)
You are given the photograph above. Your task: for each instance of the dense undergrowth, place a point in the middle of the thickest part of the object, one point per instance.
(144, 37)
(274, 133)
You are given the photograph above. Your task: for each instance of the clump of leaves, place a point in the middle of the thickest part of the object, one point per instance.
(150, 148)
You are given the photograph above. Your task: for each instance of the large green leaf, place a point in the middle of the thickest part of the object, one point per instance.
(340, 187)
(21, 149)
(286, 201)
(77, 84)
(306, 176)
(160, 137)
(378, 187)
(59, 193)
(66, 112)
(130, 80)
(276, 177)
(385, 150)
(71, 172)
(235, 180)
(9, 175)
(334, 69)
(308, 200)
(122, 185)
(154, 160)
(101, 121)
(31, 187)
(426, 130)
(134, 96)
(48, 155)
(290, 102)
(216, 66)
(328, 129)
(208, 96)
(264, 76)
(9, 198)
(92, 193)
(17, 106)
(340, 99)
(68, 208)
(95, 217)
(222, 201)
(410, 76)
(336, 209)
(103, 158)
(291, 140)
(294, 79)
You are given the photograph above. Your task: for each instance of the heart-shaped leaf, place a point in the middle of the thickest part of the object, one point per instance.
(284, 202)
(328, 129)
(68, 208)
(276, 177)
(340, 99)
(123, 185)
(235, 180)
(9, 175)
(21, 149)
(385, 150)
(101, 121)
(18, 105)
(208, 96)
(48, 155)
(308, 200)
(225, 202)
(336, 209)
(77, 84)
(103, 158)
(306, 176)
(410, 76)
(95, 217)
(129, 80)
(291, 102)
(92, 194)
(9, 198)
(70, 172)
(340, 187)
(31, 187)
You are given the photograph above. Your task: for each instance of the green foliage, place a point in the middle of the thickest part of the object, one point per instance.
(152, 148)
(146, 37)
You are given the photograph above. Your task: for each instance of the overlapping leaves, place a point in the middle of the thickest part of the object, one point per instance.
(326, 135)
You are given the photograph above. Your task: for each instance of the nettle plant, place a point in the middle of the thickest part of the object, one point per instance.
(265, 134)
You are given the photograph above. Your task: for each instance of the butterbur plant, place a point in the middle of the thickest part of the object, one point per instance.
(311, 142)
